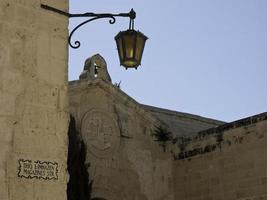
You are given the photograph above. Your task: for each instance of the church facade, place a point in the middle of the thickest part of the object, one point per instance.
(202, 159)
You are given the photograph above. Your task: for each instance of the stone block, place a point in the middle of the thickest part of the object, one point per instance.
(59, 49)
(49, 190)
(245, 192)
(7, 102)
(6, 141)
(264, 180)
(44, 69)
(26, 3)
(48, 96)
(29, 18)
(248, 183)
(63, 104)
(6, 136)
(3, 185)
(58, 75)
(261, 191)
(43, 21)
(43, 44)
(4, 54)
(62, 124)
(33, 96)
(7, 11)
(5, 125)
(39, 118)
(21, 190)
(13, 82)
(4, 151)
(57, 30)
(23, 51)
(44, 145)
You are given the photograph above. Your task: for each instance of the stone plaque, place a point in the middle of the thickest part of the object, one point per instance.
(37, 169)
(100, 131)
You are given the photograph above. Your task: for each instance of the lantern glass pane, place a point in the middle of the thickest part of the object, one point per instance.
(139, 47)
(129, 44)
(120, 48)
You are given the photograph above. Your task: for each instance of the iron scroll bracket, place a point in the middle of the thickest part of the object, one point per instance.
(92, 16)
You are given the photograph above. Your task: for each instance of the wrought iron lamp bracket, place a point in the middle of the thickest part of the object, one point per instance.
(92, 17)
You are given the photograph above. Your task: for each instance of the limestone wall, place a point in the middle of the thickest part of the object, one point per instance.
(33, 101)
(227, 161)
(125, 161)
(228, 164)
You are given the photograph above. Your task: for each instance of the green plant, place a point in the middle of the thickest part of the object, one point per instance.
(162, 136)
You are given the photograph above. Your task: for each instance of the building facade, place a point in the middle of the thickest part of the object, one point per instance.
(203, 158)
(33, 100)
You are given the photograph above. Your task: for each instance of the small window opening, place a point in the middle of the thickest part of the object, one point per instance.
(96, 67)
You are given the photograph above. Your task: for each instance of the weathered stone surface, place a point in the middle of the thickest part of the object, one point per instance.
(208, 159)
(125, 162)
(236, 169)
(33, 114)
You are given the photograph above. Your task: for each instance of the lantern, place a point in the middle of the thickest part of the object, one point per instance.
(130, 45)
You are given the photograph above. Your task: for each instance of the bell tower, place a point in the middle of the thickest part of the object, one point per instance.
(95, 67)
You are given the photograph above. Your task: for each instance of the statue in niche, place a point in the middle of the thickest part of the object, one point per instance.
(95, 67)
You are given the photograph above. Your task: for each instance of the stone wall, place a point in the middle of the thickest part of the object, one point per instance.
(125, 161)
(33, 101)
(227, 162)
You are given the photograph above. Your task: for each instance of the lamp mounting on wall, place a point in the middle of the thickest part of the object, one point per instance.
(130, 43)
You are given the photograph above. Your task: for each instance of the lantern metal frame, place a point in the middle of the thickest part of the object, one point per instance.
(123, 55)
(92, 16)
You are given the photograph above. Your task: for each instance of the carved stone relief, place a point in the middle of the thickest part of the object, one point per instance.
(100, 132)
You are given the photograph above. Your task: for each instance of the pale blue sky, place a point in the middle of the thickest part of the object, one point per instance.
(205, 57)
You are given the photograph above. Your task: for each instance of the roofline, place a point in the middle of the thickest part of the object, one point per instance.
(235, 124)
(183, 114)
(120, 93)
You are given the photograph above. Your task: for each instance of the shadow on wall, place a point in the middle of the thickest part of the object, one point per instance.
(78, 187)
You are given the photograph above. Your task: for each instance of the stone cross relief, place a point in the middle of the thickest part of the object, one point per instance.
(100, 133)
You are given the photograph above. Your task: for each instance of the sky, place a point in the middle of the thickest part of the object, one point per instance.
(204, 57)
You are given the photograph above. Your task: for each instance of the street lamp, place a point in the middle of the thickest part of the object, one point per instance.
(130, 43)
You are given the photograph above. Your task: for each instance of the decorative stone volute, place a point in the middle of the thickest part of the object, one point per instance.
(95, 67)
